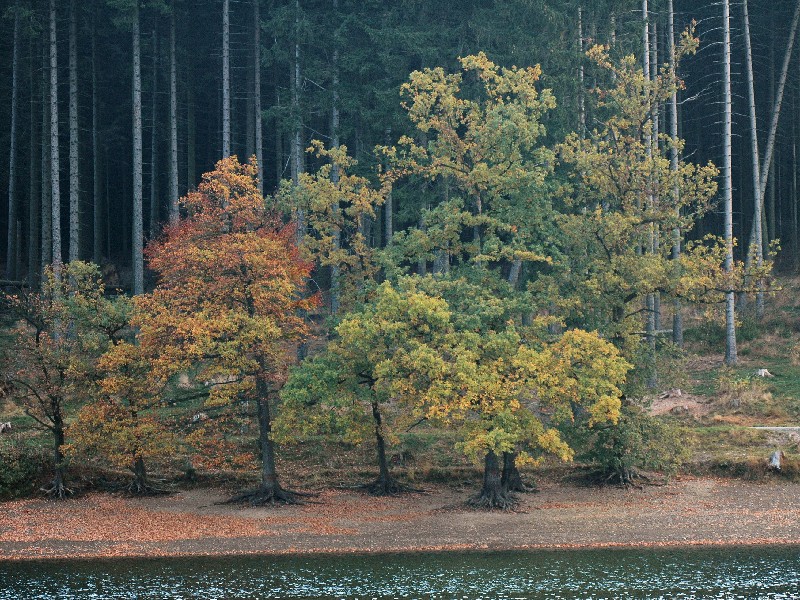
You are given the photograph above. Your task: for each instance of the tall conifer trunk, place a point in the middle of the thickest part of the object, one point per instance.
(259, 131)
(226, 80)
(173, 122)
(677, 317)
(11, 252)
(97, 205)
(74, 147)
(730, 320)
(155, 213)
(55, 187)
(137, 245)
(34, 200)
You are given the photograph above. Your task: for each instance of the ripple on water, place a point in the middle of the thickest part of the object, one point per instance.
(768, 573)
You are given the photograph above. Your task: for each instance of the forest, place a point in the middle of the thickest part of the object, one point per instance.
(238, 230)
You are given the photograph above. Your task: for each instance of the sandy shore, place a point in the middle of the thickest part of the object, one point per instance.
(686, 512)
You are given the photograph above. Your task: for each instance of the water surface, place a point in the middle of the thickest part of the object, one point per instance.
(768, 573)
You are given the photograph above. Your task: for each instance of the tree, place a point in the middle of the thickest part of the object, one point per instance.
(11, 250)
(121, 423)
(727, 173)
(484, 130)
(55, 165)
(227, 301)
(74, 143)
(60, 335)
(361, 382)
(624, 192)
(410, 354)
(335, 204)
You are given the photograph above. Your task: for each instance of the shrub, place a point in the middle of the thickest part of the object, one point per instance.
(21, 467)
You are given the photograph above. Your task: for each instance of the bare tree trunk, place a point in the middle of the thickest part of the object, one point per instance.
(226, 80)
(337, 233)
(138, 233)
(766, 164)
(154, 202)
(11, 258)
(757, 239)
(581, 92)
(677, 317)
(97, 207)
(173, 122)
(259, 141)
(730, 325)
(46, 253)
(74, 171)
(297, 157)
(34, 203)
(55, 193)
(191, 137)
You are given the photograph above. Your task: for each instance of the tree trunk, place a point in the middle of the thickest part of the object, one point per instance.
(191, 137)
(581, 85)
(74, 171)
(337, 233)
(259, 141)
(97, 207)
(55, 188)
(677, 317)
(173, 122)
(34, 202)
(388, 207)
(137, 245)
(492, 494)
(46, 253)
(730, 323)
(57, 488)
(226, 80)
(296, 146)
(385, 485)
(269, 491)
(154, 201)
(11, 258)
(511, 478)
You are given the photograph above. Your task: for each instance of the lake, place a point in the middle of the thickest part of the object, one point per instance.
(693, 573)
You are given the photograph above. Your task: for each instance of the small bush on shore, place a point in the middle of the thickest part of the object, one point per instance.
(21, 467)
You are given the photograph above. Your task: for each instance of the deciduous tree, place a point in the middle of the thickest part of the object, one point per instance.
(228, 302)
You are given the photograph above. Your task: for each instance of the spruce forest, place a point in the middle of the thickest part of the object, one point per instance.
(387, 243)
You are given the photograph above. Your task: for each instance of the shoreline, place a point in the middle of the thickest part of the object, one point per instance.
(685, 514)
(621, 547)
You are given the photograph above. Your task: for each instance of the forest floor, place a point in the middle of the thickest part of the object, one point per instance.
(563, 514)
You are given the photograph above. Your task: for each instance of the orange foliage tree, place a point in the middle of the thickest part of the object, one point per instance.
(228, 303)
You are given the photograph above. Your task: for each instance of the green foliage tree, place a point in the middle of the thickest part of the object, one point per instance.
(484, 130)
(411, 352)
(616, 234)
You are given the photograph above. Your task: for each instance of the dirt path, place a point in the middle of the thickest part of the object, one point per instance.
(687, 512)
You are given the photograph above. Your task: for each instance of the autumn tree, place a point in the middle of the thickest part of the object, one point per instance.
(121, 423)
(227, 302)
(61, 333)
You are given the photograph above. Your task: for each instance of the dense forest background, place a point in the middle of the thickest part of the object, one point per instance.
(331, 70)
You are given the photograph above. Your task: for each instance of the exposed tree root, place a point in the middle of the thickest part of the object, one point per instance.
(266, 497)
(57, 490)
(387, 487)
(144, 488)
(493, 500)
